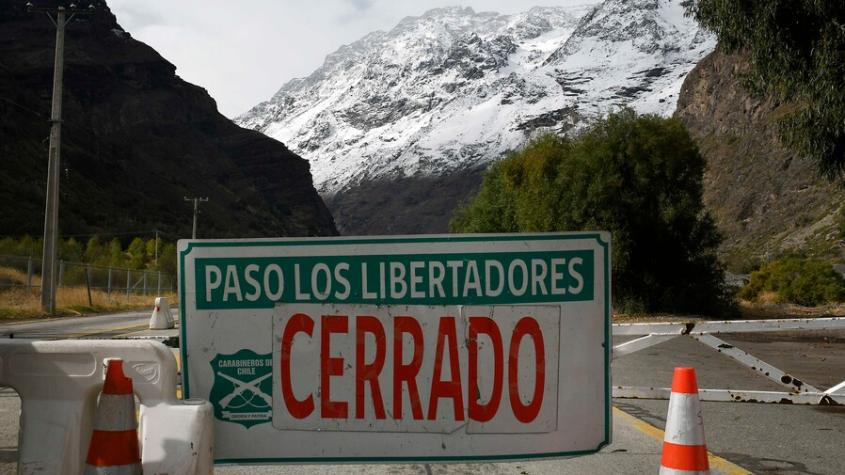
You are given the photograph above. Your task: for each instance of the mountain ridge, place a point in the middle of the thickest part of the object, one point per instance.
(453, 90)
(137, 140)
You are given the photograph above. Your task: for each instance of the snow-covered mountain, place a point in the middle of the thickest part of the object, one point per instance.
(455, 89)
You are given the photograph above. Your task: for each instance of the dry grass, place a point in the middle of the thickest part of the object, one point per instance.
(653, 317)
(9, 276)
(25, 303)
(767, 297)
(22, 302)
(767, 307)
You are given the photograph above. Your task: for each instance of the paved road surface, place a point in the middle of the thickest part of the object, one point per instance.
(769, 439)
(636, 449)
(763, 438)
(103, 326)
(125, 324)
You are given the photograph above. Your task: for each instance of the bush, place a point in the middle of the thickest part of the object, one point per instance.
(639, 177)
(797, 280)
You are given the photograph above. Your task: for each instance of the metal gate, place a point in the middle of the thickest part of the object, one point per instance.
(798, 391)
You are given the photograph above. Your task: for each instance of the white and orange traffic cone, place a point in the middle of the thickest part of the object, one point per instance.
(114, 442)
(684, 448)
(161, 319)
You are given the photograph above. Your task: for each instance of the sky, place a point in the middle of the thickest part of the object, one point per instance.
(243, 51)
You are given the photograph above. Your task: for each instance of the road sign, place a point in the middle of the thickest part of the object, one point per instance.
(424, 348)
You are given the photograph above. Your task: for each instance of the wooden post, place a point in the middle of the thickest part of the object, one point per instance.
(29, 273)
(61, 274)
(88, 284)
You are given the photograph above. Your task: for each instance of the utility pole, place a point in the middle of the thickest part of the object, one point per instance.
(51, 212)
(197, 202)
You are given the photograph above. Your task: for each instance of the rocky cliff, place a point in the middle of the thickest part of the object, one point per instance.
(137, 139)
(766, 199)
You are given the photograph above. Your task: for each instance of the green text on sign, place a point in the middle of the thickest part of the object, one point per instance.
(407, 279)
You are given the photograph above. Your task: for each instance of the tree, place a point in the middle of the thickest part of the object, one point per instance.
(28, 246)
(116, 258)
(93, 250)
(167, 259)
(639, 178)
(137, 253)
(797, 51)
(152, 249)
(70, 250)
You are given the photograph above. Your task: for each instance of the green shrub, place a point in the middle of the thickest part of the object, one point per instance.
(797, 280)
(639, 177)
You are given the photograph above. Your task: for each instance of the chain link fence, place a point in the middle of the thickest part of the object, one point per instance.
(25, 272)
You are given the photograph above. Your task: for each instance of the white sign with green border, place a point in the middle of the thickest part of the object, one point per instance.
(399, 349)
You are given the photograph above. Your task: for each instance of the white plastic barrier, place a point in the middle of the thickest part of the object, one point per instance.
(161, 318)
(58, 382)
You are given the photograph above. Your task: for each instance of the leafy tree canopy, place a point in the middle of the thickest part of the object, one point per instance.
(140, 254)
(797, 50)
(639, 178)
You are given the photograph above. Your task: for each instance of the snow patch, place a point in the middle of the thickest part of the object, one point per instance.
(455, 89)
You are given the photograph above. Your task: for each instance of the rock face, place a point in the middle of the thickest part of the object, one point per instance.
(766, 199)
(136, 140)
(438, 98)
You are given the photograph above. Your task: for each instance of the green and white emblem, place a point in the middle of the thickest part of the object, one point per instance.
(243, 388)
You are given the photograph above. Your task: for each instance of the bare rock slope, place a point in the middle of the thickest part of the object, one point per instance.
(766, 199)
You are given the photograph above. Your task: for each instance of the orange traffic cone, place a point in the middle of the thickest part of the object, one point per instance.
(114, 442)
(684, 449)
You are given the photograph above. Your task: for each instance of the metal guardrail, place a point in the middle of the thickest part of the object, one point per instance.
(799, 392)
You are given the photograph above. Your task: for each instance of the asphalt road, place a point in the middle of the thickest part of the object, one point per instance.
(760, 438)
(102, 326)
(763, 438)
